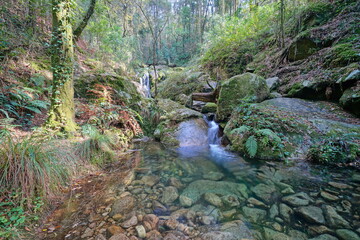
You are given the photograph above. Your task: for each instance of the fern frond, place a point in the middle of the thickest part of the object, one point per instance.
(251, 146)
(240, 130)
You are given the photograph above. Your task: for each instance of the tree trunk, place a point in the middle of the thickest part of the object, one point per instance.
(85, 21)
(206, 97)
(62, 110)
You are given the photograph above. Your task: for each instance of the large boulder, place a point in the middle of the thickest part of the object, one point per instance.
(350, 100)
(283, 127)
(233, 91)
(180, 126)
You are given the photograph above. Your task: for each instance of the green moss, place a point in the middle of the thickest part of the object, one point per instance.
(295, 89)
(342, 55)
(209, 108)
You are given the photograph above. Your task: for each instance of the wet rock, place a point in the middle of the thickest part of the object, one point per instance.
(276, 226)
(312, 214)
(274, 211)
(333, 218)
(328, 196)
(176, 183)
(254, 214)
(256, 202)
(158, 208)
(356, 177)
(274, 235)
(154, 235)
(100, 237)
(207, 220)
(170, 194)
(113, 230)
(298, 199)
(288, 190)
(140, 230)
(285, 211)
(120, 236)
(123, 206)
(217, 235)
(264, 191)
(88, 233)
(237, 228)
(230, 200)
(297, 235)
(213, 199)
(341, 186)
(214, 176)
(229, 214)
(196, 189)
(130, 223)
(345, 234)
(324, 237)
(315, 230)
(150, 222)
(150, 180)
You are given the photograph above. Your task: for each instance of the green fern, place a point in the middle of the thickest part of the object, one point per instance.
(240, 130)
(269, 133)
(251, 146)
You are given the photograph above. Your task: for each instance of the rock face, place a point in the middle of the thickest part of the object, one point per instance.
(237, 88)
(295, 123)
(196, 189)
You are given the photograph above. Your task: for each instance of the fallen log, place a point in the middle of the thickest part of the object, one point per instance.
(206, 97)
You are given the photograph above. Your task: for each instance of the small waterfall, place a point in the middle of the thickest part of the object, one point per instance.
(145, 83)
(213, 133)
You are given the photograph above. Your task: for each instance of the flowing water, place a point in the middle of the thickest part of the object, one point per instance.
(145, 83)
(210, 193)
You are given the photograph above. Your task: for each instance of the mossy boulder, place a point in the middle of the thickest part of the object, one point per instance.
(209, 108)
(301, 48)
(350, 100)
(234, 90)
(180, 126)
(283, 127)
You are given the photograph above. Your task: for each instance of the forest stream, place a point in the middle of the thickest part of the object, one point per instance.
(207, 192)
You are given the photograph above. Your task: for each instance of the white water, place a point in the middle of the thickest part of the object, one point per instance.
(145, 83)
(213, 133)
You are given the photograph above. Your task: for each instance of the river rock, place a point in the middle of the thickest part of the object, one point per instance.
(150, 180)
(346, 234)
(130, 223)
(235, 89)
(214, 176)
(315, 230)
(196, 189)
(324, 237)
(274, 211)
(254, 214)
(154, 235)
(285, 211)
(256, 202)
(88, 233)
(274, 235)
(297, 235)
(213, 199)
(333, 218)
(123, 205)
(238, 228)
(312, 214)
(150, 222)
(170, 194)
(298, 199)
(217, 235)
(119, 236)
(140, 230)
(328, 196)
(113, 230)
(356, 177)
(176, 183)
(209, 108)
(230, 200)
(264, 191)
(341, 186)
(229, 214)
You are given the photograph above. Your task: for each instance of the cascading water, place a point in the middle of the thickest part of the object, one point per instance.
(145, 83)
(213, 133)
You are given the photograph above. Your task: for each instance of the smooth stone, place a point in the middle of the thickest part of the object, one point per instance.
(150, 222)
(254, 214)
(229, 214)
(297, 235)
(217, 235)
(256, 202)
(328, 196)
(276, 226)
(150, 180)
(130, 223)
(170, 194)
(298, 199)
(214, 176)
(319, 229)
(176, 183)
(88, 233)
(333, 218)
(340, 185)
(324, 237)
(230, 200)
(238, 228)
(312, 214)
(213, 199)
(346, 234)
(285, 211)
(140, 230)
(274, 235)
(123, 206)
(288, 191)
(207, 220)
(264, 191)
(274, 211)
(113, 230)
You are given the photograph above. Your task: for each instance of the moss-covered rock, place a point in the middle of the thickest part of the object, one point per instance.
(350, 100)
(209, 108)
(301, 48)
(236, 89)
(282, 127)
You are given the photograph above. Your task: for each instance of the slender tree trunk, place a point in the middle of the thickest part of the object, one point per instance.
(85, 21)
(282, 19)
(32, 15)
(62, 110)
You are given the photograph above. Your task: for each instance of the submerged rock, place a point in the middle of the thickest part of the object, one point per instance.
(237, 228)
(274, 235)
(217, 235)
(254, 214)
(312, 214)
(196, 189)
(264, 191)
(298, 199)
(333, 218)
(123, 206)
(170, 194)
(324, 237)
(346, 234)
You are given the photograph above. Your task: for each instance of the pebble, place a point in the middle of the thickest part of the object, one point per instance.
(141, 232)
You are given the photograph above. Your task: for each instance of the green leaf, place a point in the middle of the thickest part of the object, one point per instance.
(240, 130)
(251, 146)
